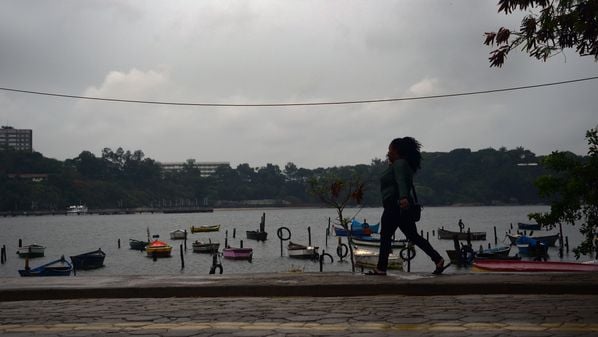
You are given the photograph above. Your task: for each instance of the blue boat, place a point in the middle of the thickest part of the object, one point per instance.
(529, 226)
(357, 229)
(531, 247)
(60, 267)
(90, 260)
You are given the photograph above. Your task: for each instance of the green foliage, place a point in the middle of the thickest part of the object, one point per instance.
(572, 188)
(549, 27)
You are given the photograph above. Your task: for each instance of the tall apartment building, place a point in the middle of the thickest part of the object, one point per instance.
(18, 139)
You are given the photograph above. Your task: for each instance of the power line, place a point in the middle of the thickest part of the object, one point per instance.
(300, 104)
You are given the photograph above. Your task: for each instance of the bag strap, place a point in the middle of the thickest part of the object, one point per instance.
(414, 194)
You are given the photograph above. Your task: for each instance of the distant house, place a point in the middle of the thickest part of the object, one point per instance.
(34, 177)
(206, 169)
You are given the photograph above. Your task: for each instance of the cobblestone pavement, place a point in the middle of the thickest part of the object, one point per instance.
(470, 315)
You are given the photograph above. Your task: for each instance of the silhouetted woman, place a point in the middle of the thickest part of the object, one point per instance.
(404, 158)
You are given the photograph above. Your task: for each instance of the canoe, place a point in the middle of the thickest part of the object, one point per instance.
(533, 266)
(205, 247)
(60, 267)
(158, 248)
(444, 234)
(257, 235)
(90, 260)
(33, 250)
(207, 228)
(368, 241)
(529, 226)
(238, 253)
(548, 240)
(137, 244)
(178, 234)
(369, 259)
(300, 251)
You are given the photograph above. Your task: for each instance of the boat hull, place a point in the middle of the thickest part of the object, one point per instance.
(367, 241)
(91, 260)
(369, 259)
(60, 267)
(549, 240)
(444, 234)
(31, 251)
(137, 245)
(256, 235)
(199, 247)
(178, 235)
(202, 229)
(238, 253)
(533, 266)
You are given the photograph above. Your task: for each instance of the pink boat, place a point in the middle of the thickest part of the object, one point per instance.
(533, 266)
(237, 253)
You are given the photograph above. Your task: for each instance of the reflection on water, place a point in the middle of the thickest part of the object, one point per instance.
(71, 235)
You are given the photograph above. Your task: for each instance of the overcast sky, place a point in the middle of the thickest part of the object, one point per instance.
(247, 52)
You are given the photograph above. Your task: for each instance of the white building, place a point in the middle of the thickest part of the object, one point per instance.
(206, 169)
(17, 139)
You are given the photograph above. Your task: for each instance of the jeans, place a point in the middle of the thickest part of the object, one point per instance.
(391, 220)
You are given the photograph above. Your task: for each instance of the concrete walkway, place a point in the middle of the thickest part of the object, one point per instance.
(302, 304)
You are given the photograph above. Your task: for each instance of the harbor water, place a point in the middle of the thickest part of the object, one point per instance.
(76, 234)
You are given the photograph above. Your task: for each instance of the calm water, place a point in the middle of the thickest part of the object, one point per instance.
(71, 235)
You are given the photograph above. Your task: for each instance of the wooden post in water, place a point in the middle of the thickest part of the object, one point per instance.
(327, 234)
(241, 243)
(428, 236)
(433, 232)
(182, 257)
(3, 254)
(226, 239)
(561, 239)
(118, 243)
(309, 235)
(495, 237)
(567, 244)
(328, 226)
(20, 243)
(234, 232)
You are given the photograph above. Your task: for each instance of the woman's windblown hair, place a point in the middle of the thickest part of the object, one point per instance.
(409, 149)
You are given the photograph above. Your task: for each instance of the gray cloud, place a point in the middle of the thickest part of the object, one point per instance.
(280, 51)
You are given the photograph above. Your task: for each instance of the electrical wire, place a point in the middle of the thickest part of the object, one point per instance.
(366, 101)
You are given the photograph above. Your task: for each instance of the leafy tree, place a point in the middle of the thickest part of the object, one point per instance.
(573, 189)
(550, 27)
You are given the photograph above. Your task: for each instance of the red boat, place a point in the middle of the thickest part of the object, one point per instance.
(533, 266)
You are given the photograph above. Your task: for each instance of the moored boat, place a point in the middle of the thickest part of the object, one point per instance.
(257, 235)
(33, 250)
(300, 251)
(238, 253)
(206, 228)
(205, 247)
(494, 253)
(369, 241)
(548, 240)
(60, 267)
(357, 225)
(529, 226)
(369, 259)
(90, 260)
(158, 248)
(533, 266)
(444, 234)
(138, 244)
(76, 209)
(178, 234)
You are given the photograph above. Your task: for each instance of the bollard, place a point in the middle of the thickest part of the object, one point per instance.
(495, 236)
(309, 236)
(118, 243)
(182, 257)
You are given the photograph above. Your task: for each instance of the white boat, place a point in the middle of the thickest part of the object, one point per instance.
(369, 259)
(178, 234)
(76, 209)
(33, 250)
(300, 251)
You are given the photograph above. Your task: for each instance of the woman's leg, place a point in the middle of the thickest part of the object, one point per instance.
(410, 230)
(389, 223)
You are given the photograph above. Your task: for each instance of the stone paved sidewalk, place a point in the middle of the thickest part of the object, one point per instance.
(387, 315)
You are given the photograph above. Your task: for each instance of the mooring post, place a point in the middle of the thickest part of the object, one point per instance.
(20, 243)
(567, 244)
(309, 235)
(185, 240)
(495, 237)
(118, 243)
(327, 234)
(561, 239)
(182, 257)
(427, 236)
(328, 226)
(3, 254)
(226, 239)
(241, 243)
(234, 233)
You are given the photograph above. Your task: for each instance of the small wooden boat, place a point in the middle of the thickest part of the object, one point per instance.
(178, 234)
(33, 250)
(299, 251)
(548, 240)
(205, 247)
(60, 267)
(90, 260)
(368, 241)
(369, 259)
(444, 234)
(158, 248)
(207, 228)
(494, 253)
(529, 226)
(138, 244)
(533, 266)
(237, 253)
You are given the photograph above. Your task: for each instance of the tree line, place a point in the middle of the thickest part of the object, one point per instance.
(125, 179)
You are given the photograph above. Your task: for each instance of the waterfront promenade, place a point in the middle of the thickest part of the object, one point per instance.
(302, 304)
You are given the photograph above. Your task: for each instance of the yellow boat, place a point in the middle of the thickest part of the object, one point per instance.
(209, 228)
(158, 248)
